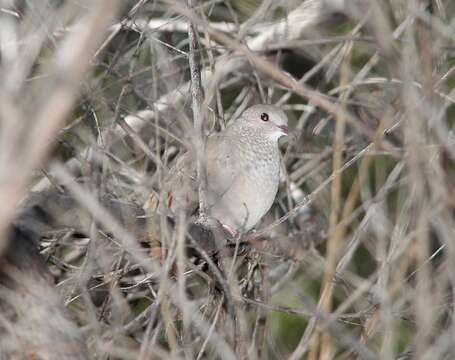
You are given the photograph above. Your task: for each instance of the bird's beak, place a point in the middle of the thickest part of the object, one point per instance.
(284, 128)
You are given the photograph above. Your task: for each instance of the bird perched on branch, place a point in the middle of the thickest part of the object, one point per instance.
(242, 166)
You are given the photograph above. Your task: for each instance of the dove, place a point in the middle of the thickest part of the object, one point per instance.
(242, 165)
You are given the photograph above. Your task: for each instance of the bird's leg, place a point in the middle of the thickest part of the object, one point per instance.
(253, 235)
(256, 240)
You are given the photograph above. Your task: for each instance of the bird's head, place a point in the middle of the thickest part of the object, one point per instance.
(269, 119)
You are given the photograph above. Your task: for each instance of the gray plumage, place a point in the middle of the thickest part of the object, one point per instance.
(243, 171)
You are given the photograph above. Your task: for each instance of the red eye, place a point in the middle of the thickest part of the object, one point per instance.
(265, 117)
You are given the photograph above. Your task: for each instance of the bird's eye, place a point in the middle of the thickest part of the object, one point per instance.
(265, 117)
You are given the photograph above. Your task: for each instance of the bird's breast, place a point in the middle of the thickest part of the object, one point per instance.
(254, 189)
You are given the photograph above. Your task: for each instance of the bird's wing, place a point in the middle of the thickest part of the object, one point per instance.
(180, 189)
(223, 166)
(180, 186)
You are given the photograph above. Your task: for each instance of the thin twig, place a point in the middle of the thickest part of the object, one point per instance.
(197, 99)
